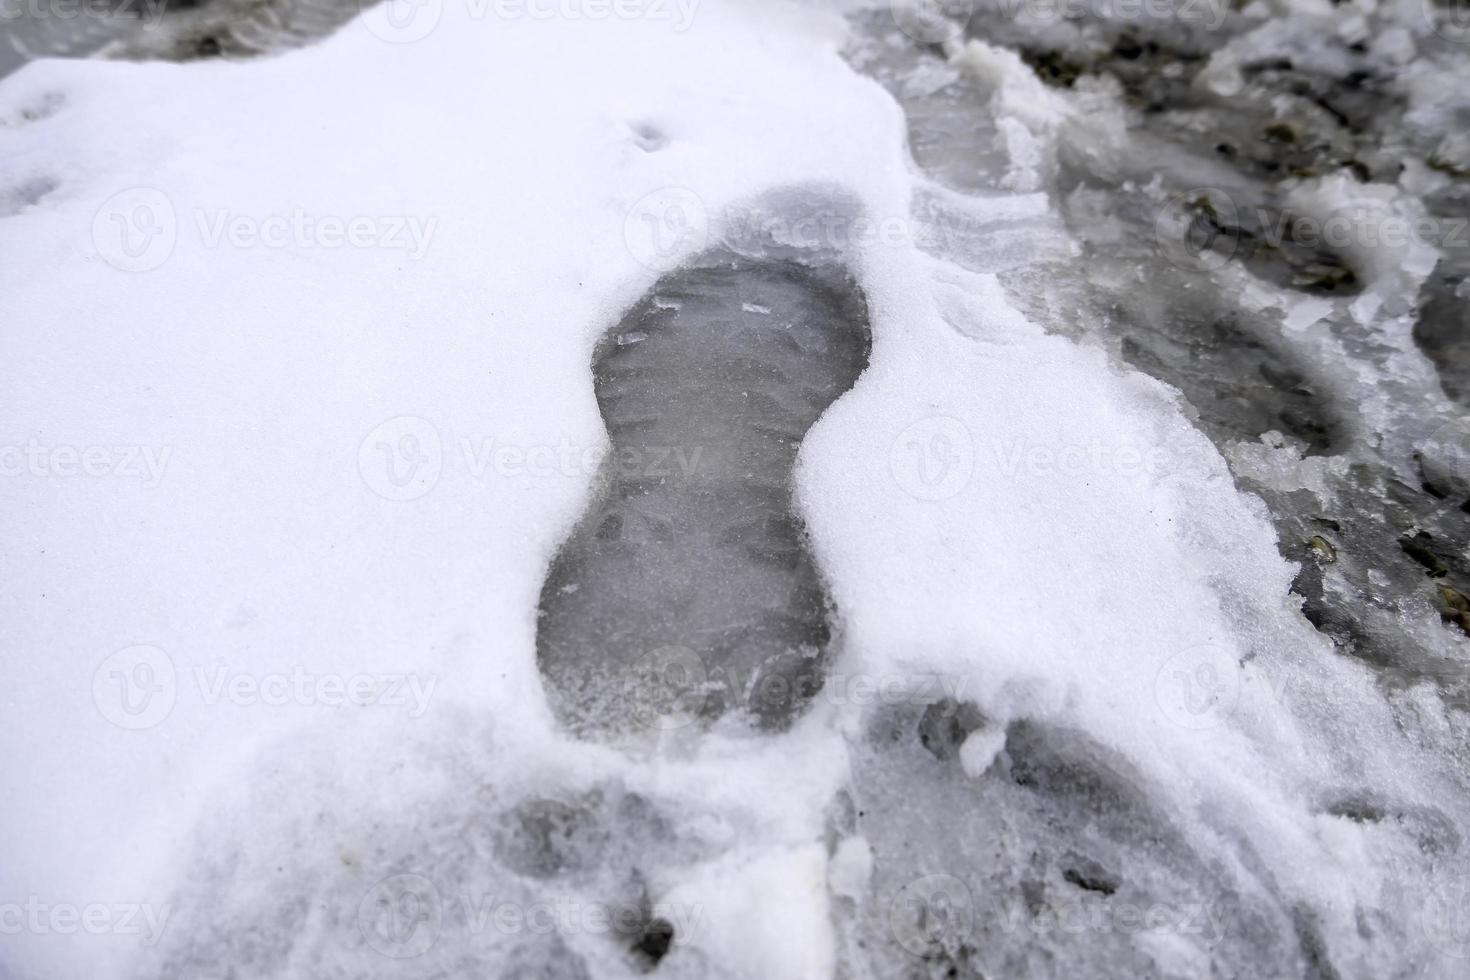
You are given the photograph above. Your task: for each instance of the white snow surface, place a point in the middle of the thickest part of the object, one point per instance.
(992, 505)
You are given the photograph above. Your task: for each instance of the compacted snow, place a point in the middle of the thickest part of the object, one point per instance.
(309, 364)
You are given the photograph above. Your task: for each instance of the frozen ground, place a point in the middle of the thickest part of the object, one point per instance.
(1116, 610)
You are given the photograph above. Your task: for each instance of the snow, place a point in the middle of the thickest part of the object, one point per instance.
(993, 506)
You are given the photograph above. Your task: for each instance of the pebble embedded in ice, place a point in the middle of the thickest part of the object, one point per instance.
(851, 868)
(979, 750)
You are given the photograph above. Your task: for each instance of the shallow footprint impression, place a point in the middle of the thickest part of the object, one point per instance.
(687, 590)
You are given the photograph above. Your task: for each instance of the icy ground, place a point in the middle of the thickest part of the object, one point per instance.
(351, 391)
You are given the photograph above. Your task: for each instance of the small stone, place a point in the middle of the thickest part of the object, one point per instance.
(1281, 131)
